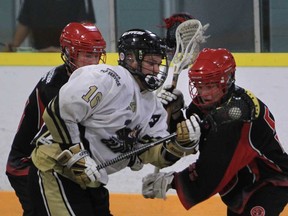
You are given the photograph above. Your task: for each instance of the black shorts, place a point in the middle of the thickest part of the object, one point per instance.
(19, 184)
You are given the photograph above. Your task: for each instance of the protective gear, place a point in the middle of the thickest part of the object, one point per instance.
(187, 139)
(139, 43)
(212, 68)
(171, 25)
(169, 96)
(135, 163)
(81, 37)
(84, 168)
(155, 185)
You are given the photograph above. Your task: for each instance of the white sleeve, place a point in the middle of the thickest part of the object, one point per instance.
(80, 97)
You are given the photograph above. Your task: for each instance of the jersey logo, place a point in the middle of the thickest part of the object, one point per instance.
(124, 140)
(48, 76)
(154, 119)
(113, 74)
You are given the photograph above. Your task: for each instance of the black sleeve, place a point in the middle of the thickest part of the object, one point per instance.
(45, 90)
(214, 167)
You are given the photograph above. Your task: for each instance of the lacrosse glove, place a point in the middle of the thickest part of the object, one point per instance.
(155, 185)
(83, 167)
(187, 139)
(169, 96)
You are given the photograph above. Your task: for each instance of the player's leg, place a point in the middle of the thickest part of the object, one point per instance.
(267, 201)
(101, 197)
(53, 194)
(19, 184)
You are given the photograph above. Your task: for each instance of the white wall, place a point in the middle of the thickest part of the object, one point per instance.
(16, 83)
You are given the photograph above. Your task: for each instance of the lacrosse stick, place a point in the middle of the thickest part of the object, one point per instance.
(134, 152)
(189, 35)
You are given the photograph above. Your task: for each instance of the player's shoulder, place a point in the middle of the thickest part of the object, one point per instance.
(106, 74)
(55, 74)
(250, 99)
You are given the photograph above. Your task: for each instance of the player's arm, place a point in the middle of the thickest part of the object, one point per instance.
(185, 143)
(62, 116)
(174, 100)
(22, 31)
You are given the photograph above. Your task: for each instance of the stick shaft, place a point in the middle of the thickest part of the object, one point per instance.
(137, 151)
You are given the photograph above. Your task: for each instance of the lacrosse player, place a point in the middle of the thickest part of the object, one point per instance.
(240, 155)
(100, 113)
(82, 44)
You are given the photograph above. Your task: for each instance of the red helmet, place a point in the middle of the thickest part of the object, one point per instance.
(211, 76)
(81, 37)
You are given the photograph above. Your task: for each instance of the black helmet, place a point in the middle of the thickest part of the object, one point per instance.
(140, 42)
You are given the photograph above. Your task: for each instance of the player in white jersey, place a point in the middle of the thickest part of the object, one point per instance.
(100, 113)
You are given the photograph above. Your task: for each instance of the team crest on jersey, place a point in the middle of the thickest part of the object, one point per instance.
(257, 211)
(113, 74)
(124, 140)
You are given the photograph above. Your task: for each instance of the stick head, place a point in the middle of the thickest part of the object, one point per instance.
(171, 24)
(187, 41)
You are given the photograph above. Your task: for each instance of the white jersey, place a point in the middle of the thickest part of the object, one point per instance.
(96, 104)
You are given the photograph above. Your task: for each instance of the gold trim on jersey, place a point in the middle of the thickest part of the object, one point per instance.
(255, 102)
(54, 124)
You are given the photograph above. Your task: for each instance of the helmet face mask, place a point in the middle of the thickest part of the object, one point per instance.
(143, 54)
(82, 44)
(211, 77)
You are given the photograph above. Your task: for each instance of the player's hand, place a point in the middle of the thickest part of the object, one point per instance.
(8, 47)
(155, 185)
(188, 131)
(83, 167)
(169, 96)
(187, 139)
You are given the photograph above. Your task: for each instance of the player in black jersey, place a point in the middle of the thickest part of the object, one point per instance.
(82, 44)
(240, 155)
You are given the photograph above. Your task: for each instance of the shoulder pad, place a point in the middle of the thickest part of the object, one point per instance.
(254, 103)
(241, 106)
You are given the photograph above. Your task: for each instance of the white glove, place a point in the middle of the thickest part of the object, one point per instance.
(171, 97)
(187, 139)
(155, 185)
(84, 168)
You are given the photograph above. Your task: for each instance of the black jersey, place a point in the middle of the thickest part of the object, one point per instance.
(31, 121)
(236, 158)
